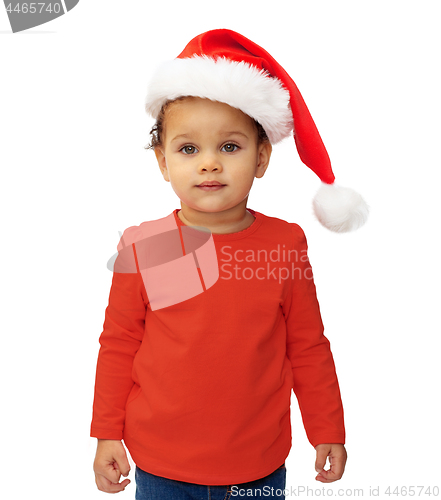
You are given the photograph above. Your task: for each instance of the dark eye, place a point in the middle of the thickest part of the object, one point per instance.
(230, 148)
(188, 150)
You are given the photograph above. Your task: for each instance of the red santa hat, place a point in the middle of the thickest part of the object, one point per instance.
(222, 65)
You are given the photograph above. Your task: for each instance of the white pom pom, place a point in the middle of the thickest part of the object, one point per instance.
(340, 209)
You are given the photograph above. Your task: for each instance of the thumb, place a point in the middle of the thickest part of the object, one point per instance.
(322, 453)
(122, 462)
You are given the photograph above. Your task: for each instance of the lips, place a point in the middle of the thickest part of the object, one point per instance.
(210, 186)
(210, 183)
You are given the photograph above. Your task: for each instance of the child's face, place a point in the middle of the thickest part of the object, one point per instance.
(203, 140)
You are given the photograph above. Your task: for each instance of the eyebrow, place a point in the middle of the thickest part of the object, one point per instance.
(236, 132)
(232, 132)
(183, 136)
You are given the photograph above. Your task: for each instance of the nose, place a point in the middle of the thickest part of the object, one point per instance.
(210, 163)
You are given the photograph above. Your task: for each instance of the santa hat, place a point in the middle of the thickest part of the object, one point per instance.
(222, 65)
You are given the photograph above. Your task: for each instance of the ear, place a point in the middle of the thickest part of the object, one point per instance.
(160, 157)
(263, 157)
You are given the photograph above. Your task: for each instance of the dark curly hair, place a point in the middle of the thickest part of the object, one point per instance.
(157, 129)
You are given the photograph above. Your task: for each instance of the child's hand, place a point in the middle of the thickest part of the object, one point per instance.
(110, 462)
(337, 459)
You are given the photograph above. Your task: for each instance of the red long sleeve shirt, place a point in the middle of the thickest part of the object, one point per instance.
(200, 390)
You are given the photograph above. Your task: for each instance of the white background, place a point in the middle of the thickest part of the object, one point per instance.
(75, 172)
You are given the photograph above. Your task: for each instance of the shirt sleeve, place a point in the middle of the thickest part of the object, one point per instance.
(120, 340)
(315, 380)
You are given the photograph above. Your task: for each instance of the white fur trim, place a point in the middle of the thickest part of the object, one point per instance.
(237, 84)
(340, 209)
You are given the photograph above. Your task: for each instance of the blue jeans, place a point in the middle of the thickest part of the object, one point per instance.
(151, 487)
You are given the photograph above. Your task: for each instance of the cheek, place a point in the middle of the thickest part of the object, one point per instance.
(178, 177)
